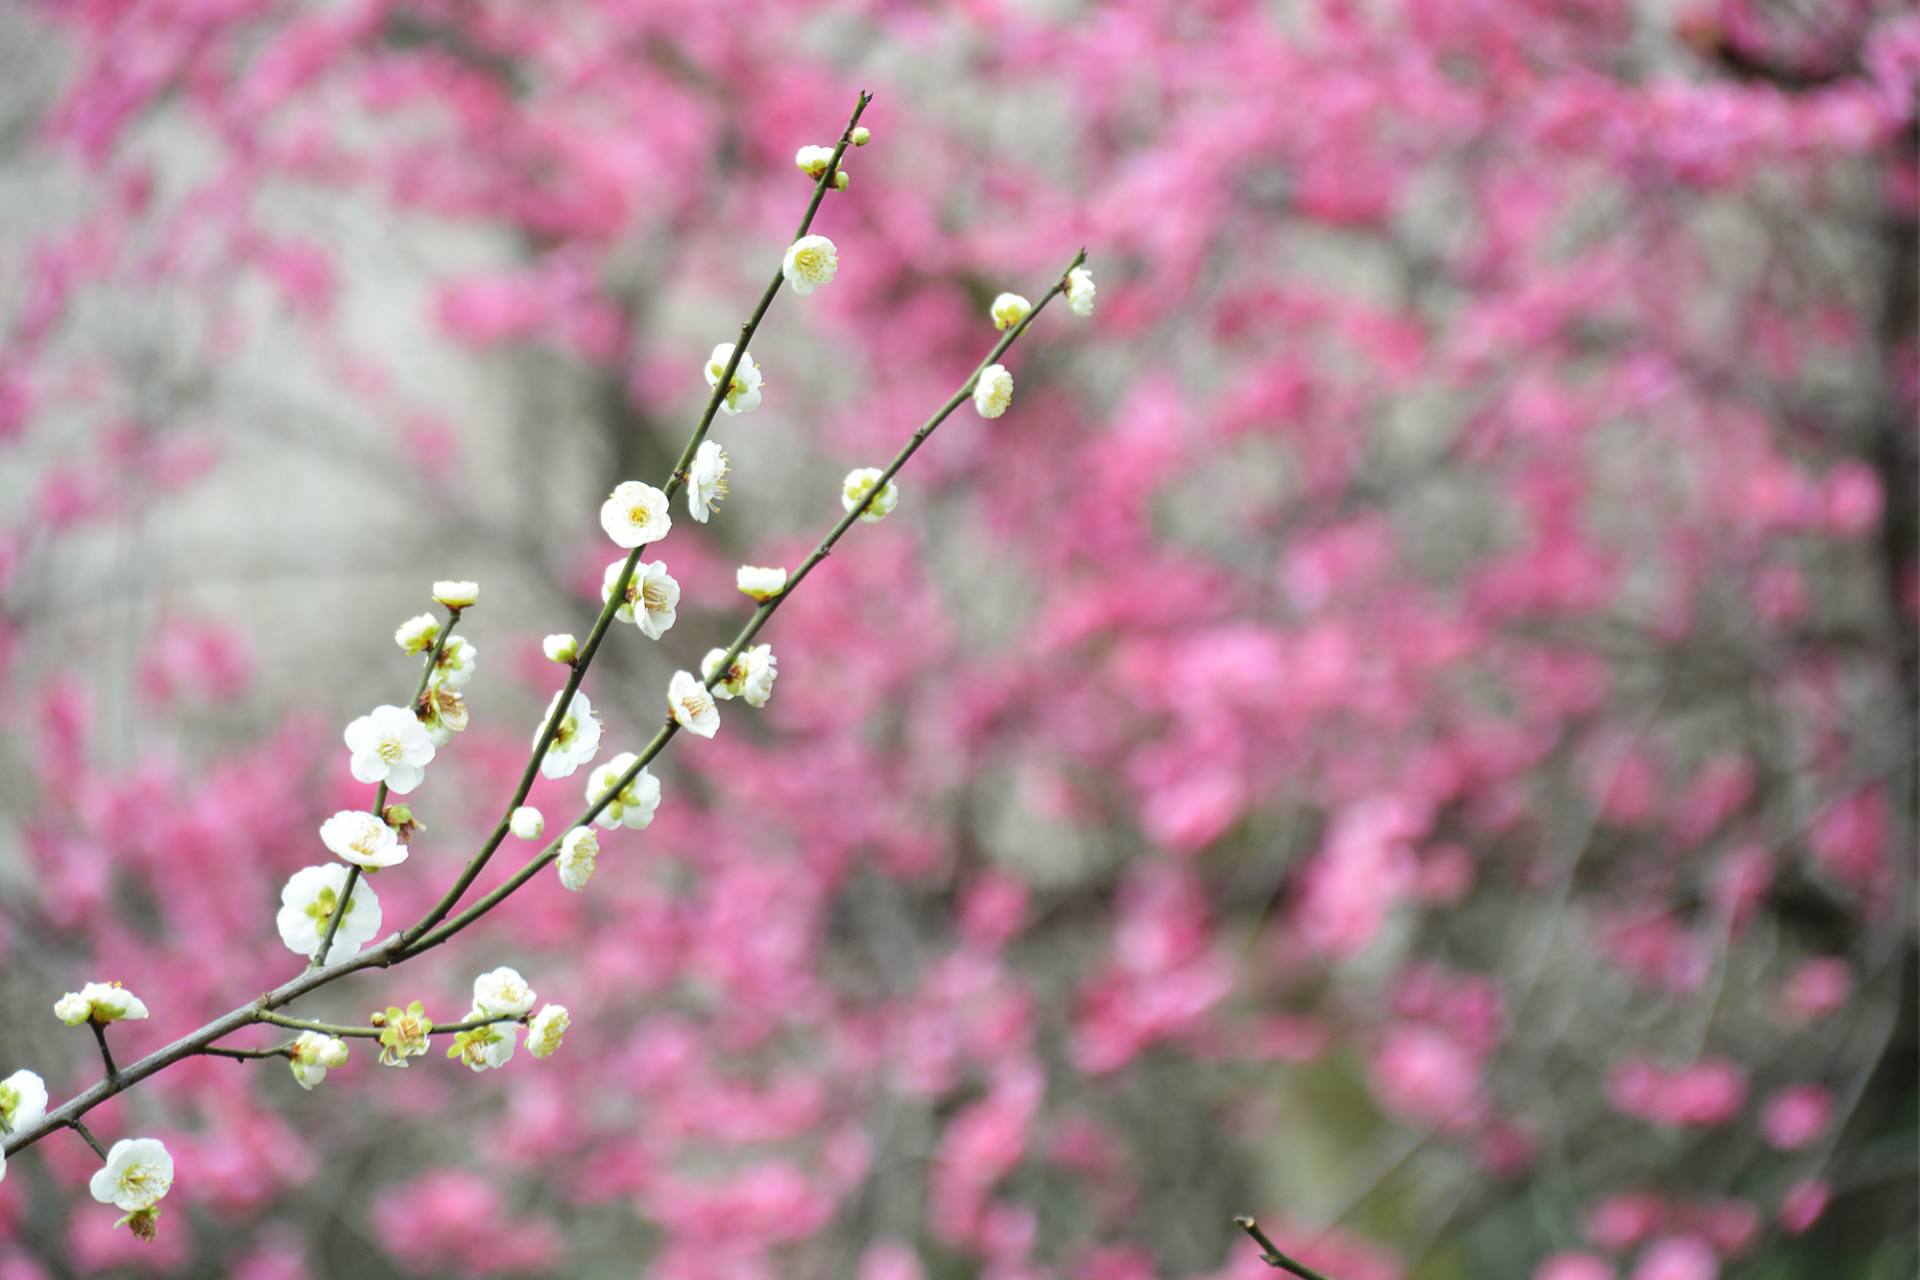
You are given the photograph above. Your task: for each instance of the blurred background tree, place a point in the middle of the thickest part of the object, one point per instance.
(1407, 728)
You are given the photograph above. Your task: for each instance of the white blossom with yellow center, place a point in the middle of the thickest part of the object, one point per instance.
(456, 595)
(707, 480)
(417, 634)
(99, 1002)
(546, 1029)
(138, 1173)
(810, 263)
(652, 598)
(635, 515)
(575, 740)
(363, 839)
(633, 807)
(692, 706)
(309, 901)
(858, 484)
(577, 854)
(743, 389)
(313, 1054)
(455, 666)
(1080, 291)
(749, 677)
(502, 993)
(760, 583)
(23, 1102)
(389, 745)
(993, 391)
(1008, 310)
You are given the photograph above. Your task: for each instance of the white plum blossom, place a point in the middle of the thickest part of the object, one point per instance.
(560, 647)
(362, 838)
(761, 583)
(502, 993)
(707, 480)
(993, 391)
(692, 706)
(577, 853)
(858, 484)
(390, 745)
(99, 1002)
(750, 676)
(633, 807)
(313, 1054)
(652, 598)
(446, 714)
(574, 741)
(635, 515)
(813, 161)
(138, 1173)
(484, 1048)
(404, 1033)
(309, 900)
(456, 595)
(810, 263)
(1008, 310)
(743, 390)
(546, 1029)
(23, 1102)
(1080, 291)
(761, 671)
(417, 634)
(455, 666)
(526, 822)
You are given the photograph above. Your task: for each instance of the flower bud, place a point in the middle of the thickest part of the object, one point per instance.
(560, 648)
(526, 822)
(404, 824)
(1008, 310)
(840, 179)
(861, 135)
(417, 634)
(813, 161)
(456, 595)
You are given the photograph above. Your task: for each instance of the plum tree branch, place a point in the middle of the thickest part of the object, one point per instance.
(435, 927)
(100, 1038)
(1271, 1255)
(759, 619)
(675, 479)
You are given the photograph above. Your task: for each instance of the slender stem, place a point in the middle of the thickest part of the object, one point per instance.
(424, 940)
(87, 1134)
(247, 1055)
(106, 1054)
(380, 793)
(618, 593)
(373, 1033)
(1271, 1254)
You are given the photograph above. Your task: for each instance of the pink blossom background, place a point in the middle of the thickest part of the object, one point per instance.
(1405, 729)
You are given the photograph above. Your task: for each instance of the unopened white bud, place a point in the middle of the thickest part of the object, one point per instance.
(456, 595)
(526, 822)
(560, 648)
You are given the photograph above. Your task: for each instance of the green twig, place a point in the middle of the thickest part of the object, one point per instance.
(1271, 1255)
